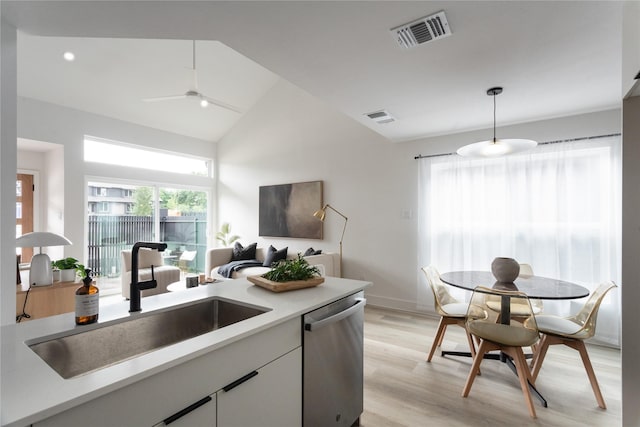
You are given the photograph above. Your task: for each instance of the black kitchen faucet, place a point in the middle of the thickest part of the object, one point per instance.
(135, 286)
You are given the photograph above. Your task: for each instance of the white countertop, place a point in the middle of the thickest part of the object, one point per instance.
(32, 391)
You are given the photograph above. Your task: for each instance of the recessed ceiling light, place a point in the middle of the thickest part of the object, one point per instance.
(69, 56)
(204, 103)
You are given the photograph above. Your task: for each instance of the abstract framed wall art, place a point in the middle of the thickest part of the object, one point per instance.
(286, 210)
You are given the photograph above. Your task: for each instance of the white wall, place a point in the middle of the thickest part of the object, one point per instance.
(292, 137)
(8, 152)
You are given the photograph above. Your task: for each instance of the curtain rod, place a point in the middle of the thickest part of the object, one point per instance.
(584, 138)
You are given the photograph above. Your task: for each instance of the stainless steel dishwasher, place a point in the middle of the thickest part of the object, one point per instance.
(332, 363)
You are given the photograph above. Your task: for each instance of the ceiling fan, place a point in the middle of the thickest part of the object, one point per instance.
(194, 93)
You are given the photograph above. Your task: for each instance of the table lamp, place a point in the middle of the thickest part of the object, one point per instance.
(320, 214)
(40, 271)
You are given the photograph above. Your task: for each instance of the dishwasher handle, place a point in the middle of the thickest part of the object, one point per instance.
(315, 325)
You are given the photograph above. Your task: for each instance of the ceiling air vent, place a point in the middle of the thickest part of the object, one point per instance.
(424, 30)
(381, 117)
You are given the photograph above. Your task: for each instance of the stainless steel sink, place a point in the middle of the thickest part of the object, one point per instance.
(82, 352)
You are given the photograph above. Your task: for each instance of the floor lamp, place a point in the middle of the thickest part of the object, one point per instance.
(321, 214)
(40, 271)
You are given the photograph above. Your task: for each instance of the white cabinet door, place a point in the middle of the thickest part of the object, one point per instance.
(268, 397)
(199, 414)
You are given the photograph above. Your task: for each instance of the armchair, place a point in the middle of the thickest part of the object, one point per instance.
(164, 274)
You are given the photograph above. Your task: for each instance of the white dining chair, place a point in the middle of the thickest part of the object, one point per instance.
(451, 311)
(572, 332)
(508, 337)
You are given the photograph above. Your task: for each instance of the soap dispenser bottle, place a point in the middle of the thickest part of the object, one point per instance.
(87, 301)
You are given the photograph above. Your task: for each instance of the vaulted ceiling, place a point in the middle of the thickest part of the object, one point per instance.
(552, 58)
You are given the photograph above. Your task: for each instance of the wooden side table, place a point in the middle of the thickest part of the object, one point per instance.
(44, 301)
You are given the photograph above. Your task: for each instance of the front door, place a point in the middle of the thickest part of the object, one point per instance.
(24, 211)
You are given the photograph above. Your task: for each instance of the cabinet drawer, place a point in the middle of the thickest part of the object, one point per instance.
(270, 398)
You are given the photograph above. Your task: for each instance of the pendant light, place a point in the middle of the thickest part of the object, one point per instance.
(496, 147)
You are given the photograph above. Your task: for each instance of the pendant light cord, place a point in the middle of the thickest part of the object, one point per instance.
(194, 55)
(494, 118)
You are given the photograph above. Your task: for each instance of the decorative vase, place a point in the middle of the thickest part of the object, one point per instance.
(68, 275)
(505, 269)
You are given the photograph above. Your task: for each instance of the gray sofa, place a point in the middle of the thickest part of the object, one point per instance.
(328, 263)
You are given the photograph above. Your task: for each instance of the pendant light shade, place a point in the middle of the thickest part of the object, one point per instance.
(496, 147)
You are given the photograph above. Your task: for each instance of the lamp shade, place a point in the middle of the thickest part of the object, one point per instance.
(320, 214)
(499, 147)
(41, 239)
(40, 272)
(495, 147)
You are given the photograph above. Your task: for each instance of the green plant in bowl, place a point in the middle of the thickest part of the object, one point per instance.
(291, 270)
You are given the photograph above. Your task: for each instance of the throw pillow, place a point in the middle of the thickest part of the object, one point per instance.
(312, 251)
(274, 255)
(241, 253)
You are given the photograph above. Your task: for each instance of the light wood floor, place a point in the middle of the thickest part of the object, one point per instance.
(402, 389)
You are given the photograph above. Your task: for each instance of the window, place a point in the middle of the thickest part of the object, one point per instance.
(103, 207)
(556, 208)
(102, 191)
(176, 216)
(102, 151)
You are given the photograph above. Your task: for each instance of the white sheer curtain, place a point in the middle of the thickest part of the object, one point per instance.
(556, 207)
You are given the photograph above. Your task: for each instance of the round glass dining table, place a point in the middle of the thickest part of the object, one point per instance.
(534, 286)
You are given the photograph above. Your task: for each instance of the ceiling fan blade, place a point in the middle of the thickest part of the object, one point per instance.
(165, 98)
(221, 104)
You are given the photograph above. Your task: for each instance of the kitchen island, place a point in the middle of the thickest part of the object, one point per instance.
(32, 392)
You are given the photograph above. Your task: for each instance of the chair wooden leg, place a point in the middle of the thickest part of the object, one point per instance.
(444, 331)
(524, 375)
(472, 346)
(485, 346)
(538, 356)
(442, 326)
(579, 345)
(582, 349)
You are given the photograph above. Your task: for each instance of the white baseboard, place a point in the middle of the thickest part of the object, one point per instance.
(398, 304)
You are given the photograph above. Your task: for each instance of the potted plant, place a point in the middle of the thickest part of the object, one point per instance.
(287, 275)
(224, 235)
(68, 268)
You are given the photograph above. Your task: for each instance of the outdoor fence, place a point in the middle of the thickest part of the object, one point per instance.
(110, 234)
